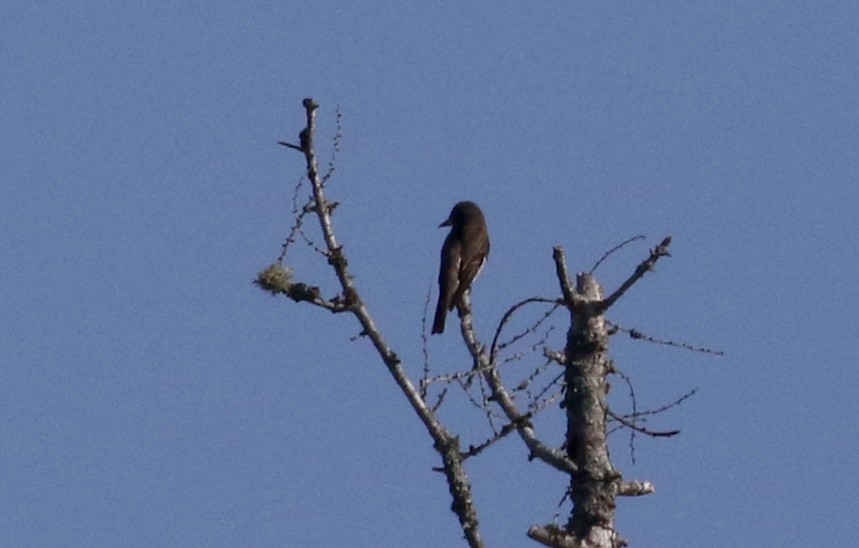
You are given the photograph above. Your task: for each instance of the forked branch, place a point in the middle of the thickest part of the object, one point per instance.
(350, 300)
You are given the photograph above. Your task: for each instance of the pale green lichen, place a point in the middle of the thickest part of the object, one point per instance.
(276, 279)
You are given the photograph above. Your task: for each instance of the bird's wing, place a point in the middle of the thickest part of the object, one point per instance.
(449, 278)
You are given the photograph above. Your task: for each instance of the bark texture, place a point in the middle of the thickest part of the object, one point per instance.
(594, 487)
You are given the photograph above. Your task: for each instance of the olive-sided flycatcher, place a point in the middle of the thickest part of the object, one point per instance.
(462, 256)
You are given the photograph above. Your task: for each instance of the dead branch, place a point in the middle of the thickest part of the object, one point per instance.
(641, 429)
(495, 347)
(645, 266)
(445, 444)
(500, 395)
(638, 335)
(616, 248)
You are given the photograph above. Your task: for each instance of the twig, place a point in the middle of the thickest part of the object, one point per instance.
(445, 444)
(641, 429)
(524, 383)
(636, 334)
(425, 349)
(474, 450)
(509, 314)
(645, 266)
(538, 450)
(663, 408)
(612, 250)
(634, 401)
(338, 138)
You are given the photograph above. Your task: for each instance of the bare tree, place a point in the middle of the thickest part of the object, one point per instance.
(580, 388)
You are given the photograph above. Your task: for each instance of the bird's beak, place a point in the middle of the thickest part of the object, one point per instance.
(448, 222)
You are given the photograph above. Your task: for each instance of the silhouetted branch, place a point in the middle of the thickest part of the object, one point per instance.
(641, 429)
(636, 334)
(338, 138)
(474, 450)
(634, 401)
(593, 483)
(663, 408)
(540, 396)
(424, 384)
(646, 266)
(618, 247)
(500, 395)
(350, 300)
(495, 347)
(526, 382)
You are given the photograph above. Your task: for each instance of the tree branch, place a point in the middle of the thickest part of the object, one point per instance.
(641, 429)
(499, 394)
(495, 347)
(446, 444)
(594, 483)
(645, 266)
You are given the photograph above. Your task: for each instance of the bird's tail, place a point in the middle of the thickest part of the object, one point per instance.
(440, 316)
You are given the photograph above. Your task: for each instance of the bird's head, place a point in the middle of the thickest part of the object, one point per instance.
(461, 214)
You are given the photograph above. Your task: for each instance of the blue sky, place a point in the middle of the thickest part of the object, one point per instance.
(153, 397)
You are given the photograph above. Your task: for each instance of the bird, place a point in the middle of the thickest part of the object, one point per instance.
(462, 257)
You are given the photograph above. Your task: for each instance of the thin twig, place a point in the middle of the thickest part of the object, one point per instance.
(637, 428)
(509, 314)
(338, 139)
(646, 265)
(618, 247)
(445, 444)
(425, 348)
(474, 450)
(502, 397)
(663, 408)
(634, 401)
(636, 334)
